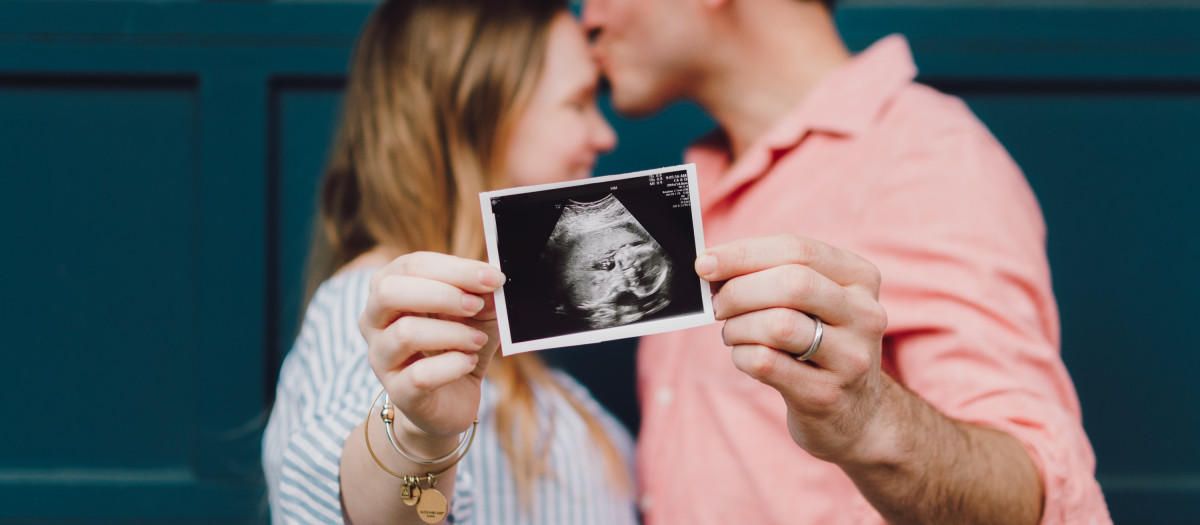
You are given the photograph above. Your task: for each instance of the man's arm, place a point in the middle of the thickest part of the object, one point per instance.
(938, 470)
(911, 462)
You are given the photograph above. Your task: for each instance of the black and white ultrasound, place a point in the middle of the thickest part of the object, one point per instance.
(600, 255)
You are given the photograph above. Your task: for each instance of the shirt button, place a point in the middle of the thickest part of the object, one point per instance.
(646, 503)
(664, 395)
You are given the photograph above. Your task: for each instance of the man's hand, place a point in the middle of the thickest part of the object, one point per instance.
(772, 288)
(912, 463)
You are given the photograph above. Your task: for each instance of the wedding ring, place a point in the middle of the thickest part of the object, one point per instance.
(812, 350)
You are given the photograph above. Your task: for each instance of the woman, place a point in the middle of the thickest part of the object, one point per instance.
(445, 98)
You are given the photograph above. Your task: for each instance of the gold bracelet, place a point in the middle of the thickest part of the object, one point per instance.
(431, 504)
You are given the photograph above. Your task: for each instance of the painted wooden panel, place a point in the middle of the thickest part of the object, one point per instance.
(99, 224)
(304, 117)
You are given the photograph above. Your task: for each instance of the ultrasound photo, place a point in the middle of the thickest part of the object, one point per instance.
(598, 259)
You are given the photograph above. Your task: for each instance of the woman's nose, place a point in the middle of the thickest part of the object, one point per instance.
(603, 137)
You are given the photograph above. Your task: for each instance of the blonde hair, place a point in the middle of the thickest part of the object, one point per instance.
(433, 91)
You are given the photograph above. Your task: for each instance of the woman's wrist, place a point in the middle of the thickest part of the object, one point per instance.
(413, 480)
(420, 443)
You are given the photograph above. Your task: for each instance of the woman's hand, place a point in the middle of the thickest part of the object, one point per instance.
(430, 325)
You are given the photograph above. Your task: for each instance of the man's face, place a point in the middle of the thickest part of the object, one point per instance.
(646, 48)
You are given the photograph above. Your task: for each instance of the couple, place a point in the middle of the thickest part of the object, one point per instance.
(935, 392)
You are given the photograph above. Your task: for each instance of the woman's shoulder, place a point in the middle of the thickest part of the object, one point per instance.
(331, 316)
(350, 277)
(348, 287)
(328, 356)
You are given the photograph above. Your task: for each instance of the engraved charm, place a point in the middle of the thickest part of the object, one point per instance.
(432, 506)
(411, 493)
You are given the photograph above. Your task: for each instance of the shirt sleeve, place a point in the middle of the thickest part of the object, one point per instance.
(303, 442)
(972, 322)
(316, 406)
(324, 388)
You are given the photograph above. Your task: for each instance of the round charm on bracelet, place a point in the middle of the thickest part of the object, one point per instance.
(431, 504)
(432, 507)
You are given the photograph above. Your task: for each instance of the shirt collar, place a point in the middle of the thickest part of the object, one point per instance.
(846, 102)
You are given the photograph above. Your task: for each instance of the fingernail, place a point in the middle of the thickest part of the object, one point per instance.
(473, 358)
(472, 303)
(479, 337)
(491, 277)
(706, 265)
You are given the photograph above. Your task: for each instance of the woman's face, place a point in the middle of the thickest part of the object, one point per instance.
(561, 131)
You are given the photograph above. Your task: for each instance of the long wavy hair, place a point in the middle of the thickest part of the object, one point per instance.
(434, 89)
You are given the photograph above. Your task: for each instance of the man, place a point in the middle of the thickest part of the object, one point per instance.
(932, 390)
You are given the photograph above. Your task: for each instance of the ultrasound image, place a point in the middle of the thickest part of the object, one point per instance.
(597, 256)
(611, 271)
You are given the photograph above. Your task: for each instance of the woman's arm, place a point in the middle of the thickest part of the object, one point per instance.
(430, 327)
(322, 394)
(372, 495)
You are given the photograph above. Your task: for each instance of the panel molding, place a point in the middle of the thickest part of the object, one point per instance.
(277, 307)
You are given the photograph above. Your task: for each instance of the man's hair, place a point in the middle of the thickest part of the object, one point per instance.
(828, 4)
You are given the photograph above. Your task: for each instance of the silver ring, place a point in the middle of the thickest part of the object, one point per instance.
(812, 350)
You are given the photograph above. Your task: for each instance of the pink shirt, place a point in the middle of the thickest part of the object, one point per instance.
(908, 178)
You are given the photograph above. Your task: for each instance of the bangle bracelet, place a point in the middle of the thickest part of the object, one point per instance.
(430, 504)
(367, 436)
(388, 414)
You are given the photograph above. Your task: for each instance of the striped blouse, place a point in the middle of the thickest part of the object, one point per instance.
(324, 388)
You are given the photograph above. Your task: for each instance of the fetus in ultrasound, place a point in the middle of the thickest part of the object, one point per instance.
(610, 271)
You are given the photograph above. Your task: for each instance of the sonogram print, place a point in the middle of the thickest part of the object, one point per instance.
(609, 270)
(595, 260)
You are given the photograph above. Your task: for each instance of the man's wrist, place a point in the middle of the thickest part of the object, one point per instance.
(885, 442)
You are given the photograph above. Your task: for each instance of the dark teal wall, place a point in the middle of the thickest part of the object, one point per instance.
(158, 163)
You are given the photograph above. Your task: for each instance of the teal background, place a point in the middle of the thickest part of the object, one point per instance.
(157, 170)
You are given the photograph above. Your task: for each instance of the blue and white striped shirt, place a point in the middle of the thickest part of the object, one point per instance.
(325, 386)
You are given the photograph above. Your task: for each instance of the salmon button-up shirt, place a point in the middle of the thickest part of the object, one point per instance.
(908, 178)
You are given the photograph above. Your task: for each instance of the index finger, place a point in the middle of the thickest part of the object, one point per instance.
(467, 274)
(754, 254)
